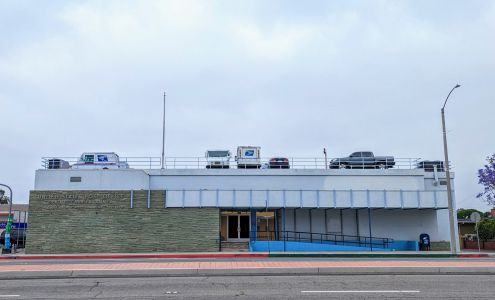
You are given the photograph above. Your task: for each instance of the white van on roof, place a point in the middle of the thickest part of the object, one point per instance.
(248, 157)
(100, 160)
(217, 159)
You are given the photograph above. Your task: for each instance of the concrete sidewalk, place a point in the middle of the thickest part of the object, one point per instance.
(401, 254)
(239, 267)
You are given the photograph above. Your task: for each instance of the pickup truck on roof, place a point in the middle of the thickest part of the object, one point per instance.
(363, 160)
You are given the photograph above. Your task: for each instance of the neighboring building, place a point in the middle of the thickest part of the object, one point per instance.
(466, 229)
(20, 216)
(179, 209)
(19, 225)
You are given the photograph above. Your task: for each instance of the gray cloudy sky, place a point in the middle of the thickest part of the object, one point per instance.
(290, 76)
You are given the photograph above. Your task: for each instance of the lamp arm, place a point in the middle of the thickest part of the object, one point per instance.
(445, 103)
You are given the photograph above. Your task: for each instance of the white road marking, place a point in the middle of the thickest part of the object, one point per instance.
(379, 292)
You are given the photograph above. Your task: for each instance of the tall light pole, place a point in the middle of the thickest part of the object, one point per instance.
(8, 226)
(163, 130)
(453, 241)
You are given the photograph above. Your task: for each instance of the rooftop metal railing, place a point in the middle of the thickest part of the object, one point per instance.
(262, 163)
(293, 163)
(133, 162)
(143, 162)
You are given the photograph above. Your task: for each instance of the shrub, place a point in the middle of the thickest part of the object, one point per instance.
(486, 230)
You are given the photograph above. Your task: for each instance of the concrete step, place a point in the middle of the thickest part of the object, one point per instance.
(235, 246)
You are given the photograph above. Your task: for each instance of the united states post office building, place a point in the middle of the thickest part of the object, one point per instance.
(191, 210)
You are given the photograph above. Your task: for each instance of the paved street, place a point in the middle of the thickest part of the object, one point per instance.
(250, 278)
(256, 287)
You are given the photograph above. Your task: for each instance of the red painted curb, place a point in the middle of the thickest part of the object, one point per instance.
(128, 256)
(473, 255)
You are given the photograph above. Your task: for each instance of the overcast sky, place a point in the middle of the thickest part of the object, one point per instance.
(290, 76)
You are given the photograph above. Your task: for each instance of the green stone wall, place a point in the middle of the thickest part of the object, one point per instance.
(102, 221)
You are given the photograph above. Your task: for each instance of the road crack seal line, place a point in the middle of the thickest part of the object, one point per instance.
(94, 286)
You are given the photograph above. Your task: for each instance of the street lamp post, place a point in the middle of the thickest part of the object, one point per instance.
(8, 226)
(453, 242)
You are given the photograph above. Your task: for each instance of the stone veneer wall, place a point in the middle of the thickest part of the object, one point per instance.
(103, 221)
(440, 246)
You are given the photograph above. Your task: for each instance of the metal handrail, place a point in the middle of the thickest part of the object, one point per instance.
(321, 238)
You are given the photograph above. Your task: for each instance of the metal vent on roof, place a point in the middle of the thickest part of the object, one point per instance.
(75, 179)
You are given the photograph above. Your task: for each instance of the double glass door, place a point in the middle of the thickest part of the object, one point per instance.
(238, 227)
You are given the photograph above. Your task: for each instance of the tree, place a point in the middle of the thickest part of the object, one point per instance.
(486, 230)
(486, 177)
(4, 200)
(466, 213)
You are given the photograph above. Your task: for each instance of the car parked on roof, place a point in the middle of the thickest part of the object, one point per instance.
(430, 165)
(363, 160)
(279, 163)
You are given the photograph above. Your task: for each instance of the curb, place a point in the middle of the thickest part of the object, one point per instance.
(193, 272)
(131, 256)
(474, 255)
(360, 255)
(241, 255)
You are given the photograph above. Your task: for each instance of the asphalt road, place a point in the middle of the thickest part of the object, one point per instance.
(256, 287)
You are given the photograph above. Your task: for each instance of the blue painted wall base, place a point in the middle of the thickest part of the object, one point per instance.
(281, 246)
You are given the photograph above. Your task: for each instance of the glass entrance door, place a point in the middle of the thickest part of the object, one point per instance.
(238, 227)
(244, 227)
(233, 227)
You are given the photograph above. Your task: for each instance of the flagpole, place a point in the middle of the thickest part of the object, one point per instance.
(163, 130)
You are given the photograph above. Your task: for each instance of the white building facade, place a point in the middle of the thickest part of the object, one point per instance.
(289, 209)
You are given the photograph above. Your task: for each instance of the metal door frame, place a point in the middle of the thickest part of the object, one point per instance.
(238, 239)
